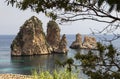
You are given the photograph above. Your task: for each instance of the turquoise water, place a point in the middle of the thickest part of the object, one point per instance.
(26, 64)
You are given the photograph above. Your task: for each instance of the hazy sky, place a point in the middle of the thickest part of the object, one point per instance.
(12, 18)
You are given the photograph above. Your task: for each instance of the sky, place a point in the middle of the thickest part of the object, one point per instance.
(12, 18)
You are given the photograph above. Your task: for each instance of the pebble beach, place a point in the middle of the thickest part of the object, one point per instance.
(14, 76)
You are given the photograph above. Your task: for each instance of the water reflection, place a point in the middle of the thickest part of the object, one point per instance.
(26, 64)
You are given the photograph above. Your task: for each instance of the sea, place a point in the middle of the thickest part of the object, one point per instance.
(26, 64)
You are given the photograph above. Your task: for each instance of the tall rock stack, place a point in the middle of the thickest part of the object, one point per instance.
(62, 45)
(77, 43)
(30, 39)
(53, 34)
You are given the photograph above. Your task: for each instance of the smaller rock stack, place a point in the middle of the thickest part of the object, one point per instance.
(77, 43)
(53, 38)
(89, 42)
(62, 45)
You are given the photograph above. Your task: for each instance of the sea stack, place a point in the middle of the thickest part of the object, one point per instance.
(30, 40)
(89, 42)
(53, 35)
(62, 45)
(77, 44)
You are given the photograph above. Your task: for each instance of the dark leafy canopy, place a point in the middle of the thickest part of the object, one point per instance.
(42, 5)
(39, 5)
(114, 4)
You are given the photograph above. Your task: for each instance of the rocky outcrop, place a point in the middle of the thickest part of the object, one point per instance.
(53, 34)
(62, 45)
(53, 38)
(30, 39)
(89, 42)
(77, 43)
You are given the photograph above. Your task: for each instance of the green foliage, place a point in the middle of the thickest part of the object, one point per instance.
(116, 75)
(52, 24)
(43, 5)
(55, 75)
(68, 63)
(87, 60)
(100, 2)
(100, 64)
(112, 4)
(100, 47)
(51, 15)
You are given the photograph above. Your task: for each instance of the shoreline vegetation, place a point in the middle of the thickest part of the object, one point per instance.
(64, 74)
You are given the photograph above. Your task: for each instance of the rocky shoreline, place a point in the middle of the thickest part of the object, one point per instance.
(15, 76)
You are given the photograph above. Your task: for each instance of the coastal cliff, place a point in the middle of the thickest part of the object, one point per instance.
(31, 39)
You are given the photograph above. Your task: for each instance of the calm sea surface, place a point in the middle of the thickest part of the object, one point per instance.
(26, 64)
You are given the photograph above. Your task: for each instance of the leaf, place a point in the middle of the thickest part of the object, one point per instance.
(111, 8)
(77, 56)
(100, 2)
(118, 7)
(70, 61)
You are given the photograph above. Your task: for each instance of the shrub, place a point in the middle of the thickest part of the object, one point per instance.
(64, 74)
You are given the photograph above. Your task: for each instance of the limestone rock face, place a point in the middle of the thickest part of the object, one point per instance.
(53, 34)
(62, 45)
(77, 43)
(31, 39)
(89, 42)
